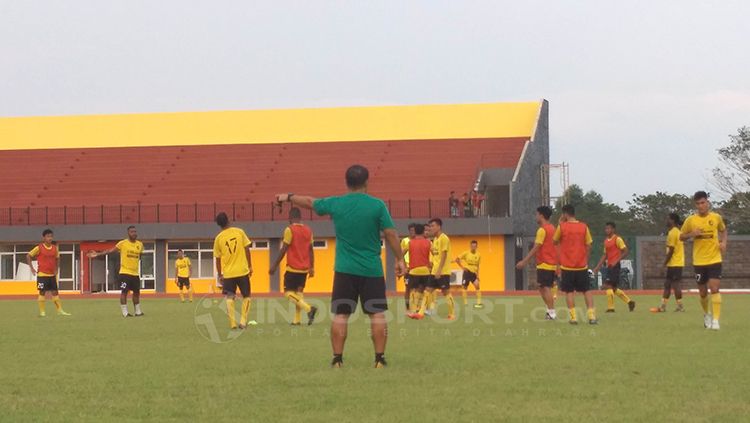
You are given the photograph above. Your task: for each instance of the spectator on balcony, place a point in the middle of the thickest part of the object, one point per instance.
(453, 203)
(466, 200)
(476, 200)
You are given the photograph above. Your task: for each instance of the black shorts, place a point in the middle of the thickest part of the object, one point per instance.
(469, 277)
(130, 283)
(575, 281)
(46, 283)
(704, 273)
(294, 281)
(230, 285)
(613, 275)
(349, 289)
(440, 282)
(674, 274)
(545, 278)
(419, 281)
(183, 282)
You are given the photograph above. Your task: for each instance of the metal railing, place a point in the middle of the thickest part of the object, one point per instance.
(194, 213)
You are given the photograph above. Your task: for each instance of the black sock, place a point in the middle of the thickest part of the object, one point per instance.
(338, 358)
(379, 356)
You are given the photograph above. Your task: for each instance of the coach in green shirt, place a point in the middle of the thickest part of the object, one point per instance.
(358, 219)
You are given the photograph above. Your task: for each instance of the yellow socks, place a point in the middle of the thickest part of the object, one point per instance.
(664, 301)
(190, 294)
(415, 301)
(464, 295)
(704, 304)
(423, 302)
(230, 313)
(479, 297)
(591, 314)
(40, 301)
(245, 311)
(610, 299)
(297, 299)
(451, 304)
(623, 296)
(716, 305)
(182, 296)
(572, 314)
(58, 304)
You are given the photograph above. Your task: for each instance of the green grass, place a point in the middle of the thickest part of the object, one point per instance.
(98, 366)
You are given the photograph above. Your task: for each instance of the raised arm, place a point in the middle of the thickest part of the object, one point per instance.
(93, 254)
(303, 201)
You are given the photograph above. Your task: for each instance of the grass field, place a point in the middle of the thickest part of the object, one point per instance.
(492, 365)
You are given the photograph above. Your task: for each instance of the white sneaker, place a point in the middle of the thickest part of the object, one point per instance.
(715, 325)
(707, 320)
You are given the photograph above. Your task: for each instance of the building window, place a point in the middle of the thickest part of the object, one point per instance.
(12, 255)
(201, 255)
(259, 245)
(320, 244)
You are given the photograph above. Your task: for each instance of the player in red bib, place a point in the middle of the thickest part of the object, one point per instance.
(297, 246)
(546, 259)
(47, 256)
(614, 251)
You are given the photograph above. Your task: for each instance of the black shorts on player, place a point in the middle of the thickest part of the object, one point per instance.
(674, 274)
(704, 273)
(419, 281)
(575, 281)
(294, 281)
(469, 277)
(545, 278)
(230, 285)
(46, 284)
(350, 289)
(442, 282)
(130, 283)
(613, 276)
(183, 282)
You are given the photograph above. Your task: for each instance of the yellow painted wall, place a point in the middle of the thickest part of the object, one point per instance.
(491, 120)
(492, 267)
(19, 288)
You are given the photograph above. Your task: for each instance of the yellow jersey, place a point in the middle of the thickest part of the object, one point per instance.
(470, 261)
(705, 246)
(183, 267)
(130, 256)
(229, 246)
(35, 252)
(441, 244)
(678, 254)
(405, 250)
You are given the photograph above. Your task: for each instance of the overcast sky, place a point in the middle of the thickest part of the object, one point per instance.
(641, 93)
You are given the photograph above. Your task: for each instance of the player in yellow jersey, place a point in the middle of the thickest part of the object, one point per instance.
(441, 270)
(709, 235)
(408, 288)
(234, 267)
(469, 261)
(183, 271)
(674, 263)
(47, 256)
(130, 270)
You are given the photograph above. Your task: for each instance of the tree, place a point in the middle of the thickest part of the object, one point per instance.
(591, 208)
(732, 177)
(648, 213)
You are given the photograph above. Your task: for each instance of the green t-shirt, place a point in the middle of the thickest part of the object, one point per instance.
(358, 220)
